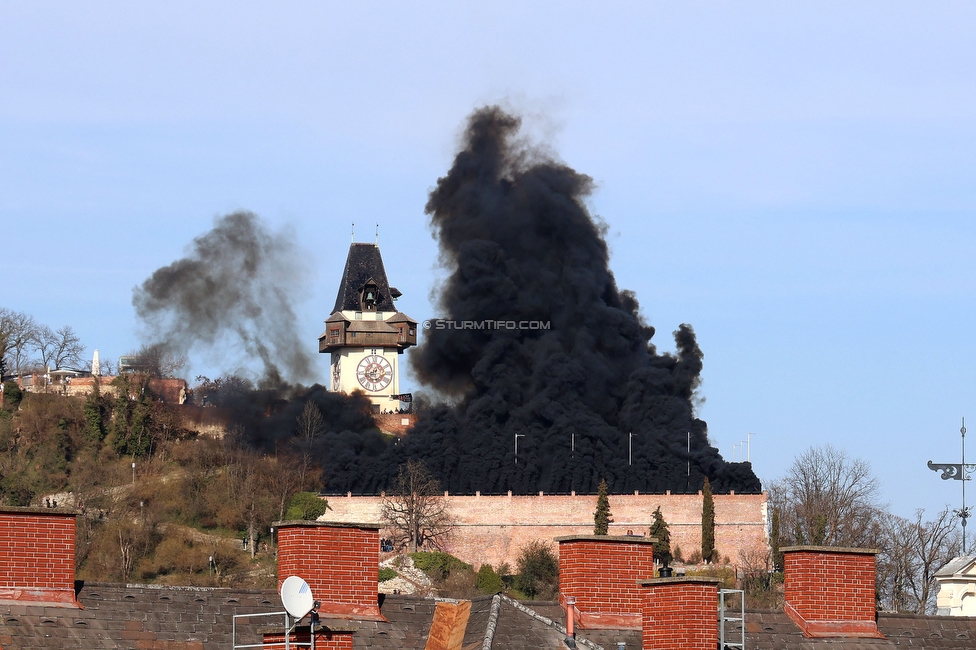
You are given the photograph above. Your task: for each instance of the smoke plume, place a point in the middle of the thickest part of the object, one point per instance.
(233, 291)
(587, 398)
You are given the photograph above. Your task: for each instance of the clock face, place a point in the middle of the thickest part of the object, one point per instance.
(374, 373)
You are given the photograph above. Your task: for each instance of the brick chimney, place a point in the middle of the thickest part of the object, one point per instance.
(37, 556)
(339, 561)
(601, 572)
(829, 592)
(679, 613)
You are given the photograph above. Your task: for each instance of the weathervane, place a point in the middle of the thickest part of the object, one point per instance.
(959, 472)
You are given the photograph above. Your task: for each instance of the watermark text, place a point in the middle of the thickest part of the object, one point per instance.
(442, 324)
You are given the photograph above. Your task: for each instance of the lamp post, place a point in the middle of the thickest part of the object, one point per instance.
(630, 448)
(517, 436)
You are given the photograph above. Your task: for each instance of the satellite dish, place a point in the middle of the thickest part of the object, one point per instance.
(296, 596)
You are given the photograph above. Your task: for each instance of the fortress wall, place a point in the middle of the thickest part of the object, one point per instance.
(492, 529)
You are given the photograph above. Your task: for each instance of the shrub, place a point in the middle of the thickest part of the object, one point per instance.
(725, 573)
(307, 506)
(12, 395)
(488, 581)
(437, 564)
(538, 571)
(386, 573)
(678, 557)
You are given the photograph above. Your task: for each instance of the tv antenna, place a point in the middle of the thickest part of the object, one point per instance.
(958, 472)
(352, 234)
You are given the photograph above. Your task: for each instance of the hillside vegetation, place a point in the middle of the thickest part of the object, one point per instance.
(194, 510)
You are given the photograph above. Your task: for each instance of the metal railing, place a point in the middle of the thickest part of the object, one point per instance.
(287, 631)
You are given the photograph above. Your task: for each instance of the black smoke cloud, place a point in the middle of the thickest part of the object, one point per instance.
(233, 291)
(520, 244)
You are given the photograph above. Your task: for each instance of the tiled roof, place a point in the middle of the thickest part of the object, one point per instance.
(117, 616)
(363, 264)
(773, 630)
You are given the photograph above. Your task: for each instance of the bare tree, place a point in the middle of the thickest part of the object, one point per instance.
(284, 481)
(249, 492)
(311, 425)
(916, 549)
(17, 331)
(415, 512)
(157, 360)
(828, 498)
(57, 348)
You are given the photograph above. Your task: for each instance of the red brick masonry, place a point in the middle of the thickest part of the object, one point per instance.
(327, 640)
(601, 572)
(37, 555)
(829, 592)
(680, 613)
(492, 529)
(339, 561)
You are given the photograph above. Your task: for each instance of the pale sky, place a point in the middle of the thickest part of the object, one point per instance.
(795, 180)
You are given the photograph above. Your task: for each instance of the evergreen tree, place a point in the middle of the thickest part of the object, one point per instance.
(659, 531)
(708, 523)
(602, 518)
(94, 411)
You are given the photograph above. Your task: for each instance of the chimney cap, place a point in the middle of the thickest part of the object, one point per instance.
(679, 580)
(628, 539)
(40, 510)
(830, 549)
(327, 524)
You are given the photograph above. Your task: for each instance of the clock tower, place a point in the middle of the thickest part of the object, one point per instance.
(365, 334)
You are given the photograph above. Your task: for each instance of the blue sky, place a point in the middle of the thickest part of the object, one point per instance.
(795, 180)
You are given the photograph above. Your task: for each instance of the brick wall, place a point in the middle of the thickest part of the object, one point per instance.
(339, 561)
(396, 424)
(329, 640)
(679, 613)
(37, 555)
(829, 592)
(601, 574)
(492, 529)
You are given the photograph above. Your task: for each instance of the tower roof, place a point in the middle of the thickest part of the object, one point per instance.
(364, 265)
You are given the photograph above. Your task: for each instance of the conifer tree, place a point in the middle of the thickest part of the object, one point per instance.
(659, 531)
(94, 410)
(602, 518)
(708, 523)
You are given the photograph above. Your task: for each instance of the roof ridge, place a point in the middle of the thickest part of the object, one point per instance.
(548, 621)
